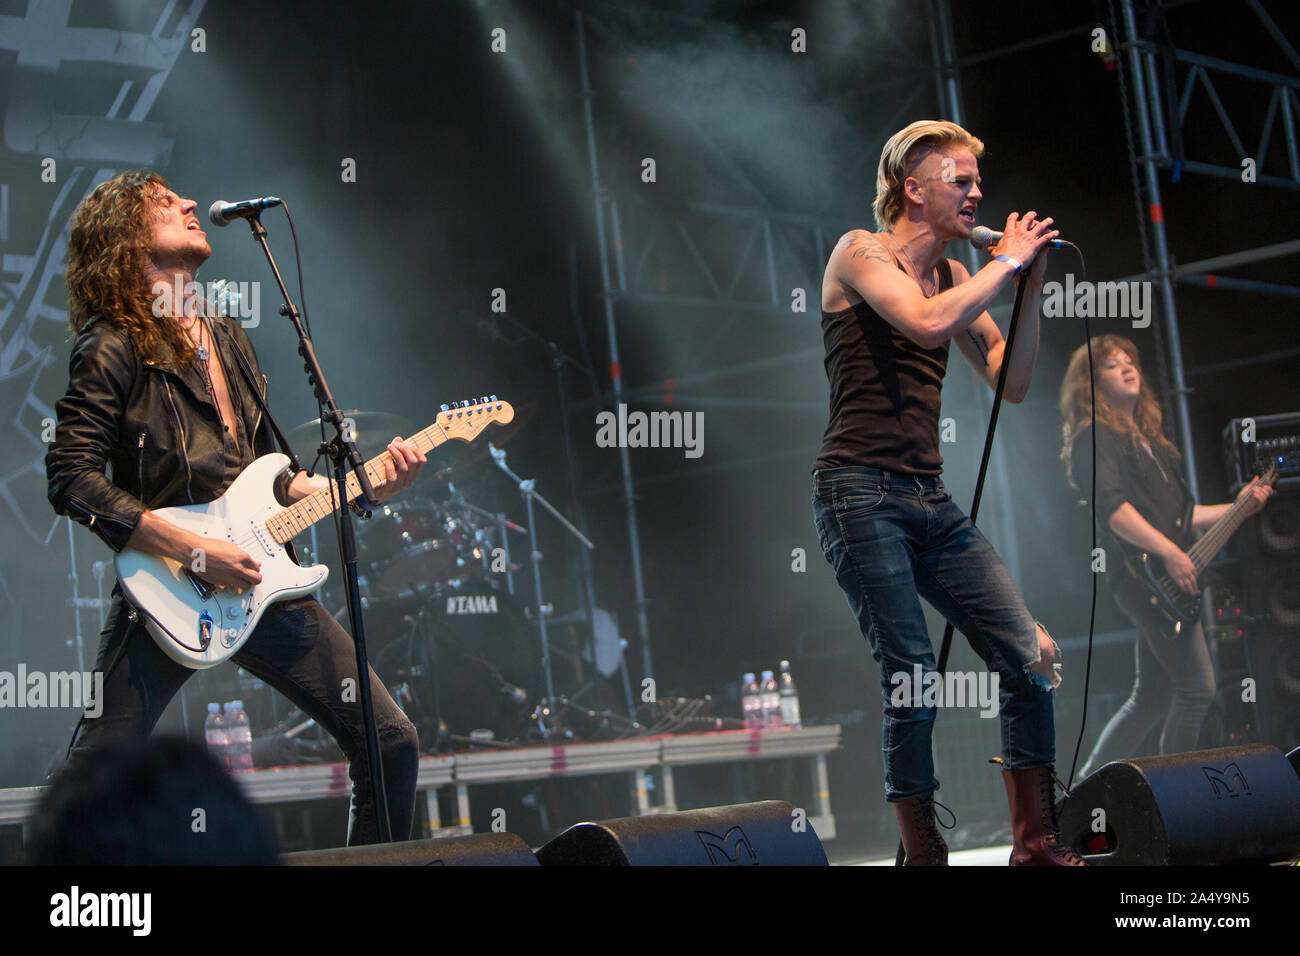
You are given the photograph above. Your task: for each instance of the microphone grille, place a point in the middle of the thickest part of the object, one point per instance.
(981, 237)
(214, 212)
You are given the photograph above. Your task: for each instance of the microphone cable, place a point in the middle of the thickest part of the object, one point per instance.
(1092, 524)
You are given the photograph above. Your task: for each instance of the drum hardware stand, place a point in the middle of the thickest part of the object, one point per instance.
(342, 451)
(528, 489)
(423, 639)
(503, 524)
(559, 359)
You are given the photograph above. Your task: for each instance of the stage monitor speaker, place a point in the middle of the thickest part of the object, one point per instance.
(769, 833)
(1231, 805)
(486, 849)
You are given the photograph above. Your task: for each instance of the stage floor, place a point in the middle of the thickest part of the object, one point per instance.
(986, 856)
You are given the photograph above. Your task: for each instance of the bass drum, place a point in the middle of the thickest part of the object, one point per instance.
(469, 662)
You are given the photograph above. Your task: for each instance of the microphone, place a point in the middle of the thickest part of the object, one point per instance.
(981, 237)
(221, 212)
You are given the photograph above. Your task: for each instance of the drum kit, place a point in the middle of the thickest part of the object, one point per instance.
(445, 632)
(465, 658)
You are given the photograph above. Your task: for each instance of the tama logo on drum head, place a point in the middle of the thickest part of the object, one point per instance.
(472, 604)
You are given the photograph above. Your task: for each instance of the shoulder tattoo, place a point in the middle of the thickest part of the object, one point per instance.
(863, 245)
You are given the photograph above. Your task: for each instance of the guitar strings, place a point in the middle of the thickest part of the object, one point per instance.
(290, 515)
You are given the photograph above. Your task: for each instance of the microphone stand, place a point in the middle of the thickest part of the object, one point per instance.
(503, 525)
(528, 488)
(342, 449)
(946, 646)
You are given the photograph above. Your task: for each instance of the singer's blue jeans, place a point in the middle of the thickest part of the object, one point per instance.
(893, 539)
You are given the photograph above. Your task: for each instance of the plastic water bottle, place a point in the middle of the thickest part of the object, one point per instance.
(214, 732)
(771, 701)
(240, 736)
(789, 698)
(751, 701)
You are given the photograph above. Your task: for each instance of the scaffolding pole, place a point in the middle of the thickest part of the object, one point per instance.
(1145, 97)
(608, 294)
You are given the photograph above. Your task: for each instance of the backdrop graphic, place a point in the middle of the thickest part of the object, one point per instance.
(77, 102)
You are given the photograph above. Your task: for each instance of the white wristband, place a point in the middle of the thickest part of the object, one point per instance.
(1013, 261)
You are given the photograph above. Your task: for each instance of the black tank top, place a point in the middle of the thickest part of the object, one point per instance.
(885, 392)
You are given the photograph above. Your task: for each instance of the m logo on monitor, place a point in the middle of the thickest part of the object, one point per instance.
(1230, 778)
(730, 849)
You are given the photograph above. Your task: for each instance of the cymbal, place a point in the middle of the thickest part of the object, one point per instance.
(468, 459)
(372, 431)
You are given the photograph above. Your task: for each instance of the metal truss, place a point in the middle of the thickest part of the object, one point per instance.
(1162, 107)
(779, 252)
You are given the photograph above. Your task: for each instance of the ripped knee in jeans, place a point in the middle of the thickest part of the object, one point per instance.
(1045, 675)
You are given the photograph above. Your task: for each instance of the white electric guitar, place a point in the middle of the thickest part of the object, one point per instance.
(198, 625)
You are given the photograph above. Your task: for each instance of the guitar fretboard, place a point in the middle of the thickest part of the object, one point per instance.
(301, 515)
(1204, 550)
(1208, 545)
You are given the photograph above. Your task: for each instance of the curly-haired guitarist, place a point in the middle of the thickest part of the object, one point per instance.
(161, 395)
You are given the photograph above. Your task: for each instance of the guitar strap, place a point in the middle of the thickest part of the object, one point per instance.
(257, 396)
(1191, 502)
(1175, 469)
(279, 435)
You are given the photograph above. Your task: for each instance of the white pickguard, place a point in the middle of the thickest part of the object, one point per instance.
(176, 614)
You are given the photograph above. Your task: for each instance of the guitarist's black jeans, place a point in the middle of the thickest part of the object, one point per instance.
(301, 651)
(1173, 688)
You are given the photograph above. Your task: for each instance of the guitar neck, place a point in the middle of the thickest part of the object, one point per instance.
(1204, 550)
(302, 514)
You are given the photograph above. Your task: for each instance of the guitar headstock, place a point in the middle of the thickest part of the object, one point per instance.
(1268, 476)
(465, 419)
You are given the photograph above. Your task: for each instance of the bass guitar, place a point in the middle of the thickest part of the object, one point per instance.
(1168, 603)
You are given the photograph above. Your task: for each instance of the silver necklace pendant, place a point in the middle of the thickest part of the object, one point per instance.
(201, 351)
(919, 281)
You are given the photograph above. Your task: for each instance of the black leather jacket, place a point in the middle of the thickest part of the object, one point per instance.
(153, 425)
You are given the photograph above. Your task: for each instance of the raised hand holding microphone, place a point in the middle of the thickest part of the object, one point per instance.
(1021, 242)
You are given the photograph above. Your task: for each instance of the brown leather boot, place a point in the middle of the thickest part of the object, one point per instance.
(1036, 833)
(922, 842)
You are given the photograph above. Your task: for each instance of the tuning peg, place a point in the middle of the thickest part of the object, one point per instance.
(444, 407)
(492, 398)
